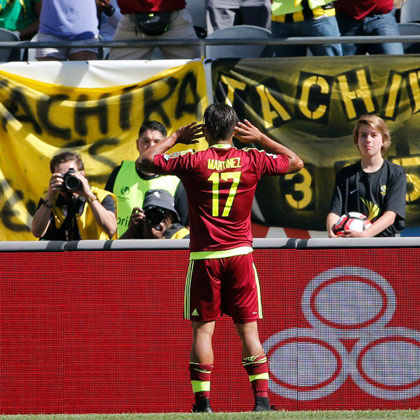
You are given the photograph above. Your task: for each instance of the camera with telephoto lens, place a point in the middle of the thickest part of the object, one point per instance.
(70, 181)
(154, 216)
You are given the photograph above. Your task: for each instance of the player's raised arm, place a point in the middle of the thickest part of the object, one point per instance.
(248, 133)
(189, 134)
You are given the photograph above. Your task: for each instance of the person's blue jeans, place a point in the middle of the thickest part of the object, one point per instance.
(379, 25)
(324, 26)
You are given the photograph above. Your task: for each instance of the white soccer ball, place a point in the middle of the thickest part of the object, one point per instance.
(353, 221)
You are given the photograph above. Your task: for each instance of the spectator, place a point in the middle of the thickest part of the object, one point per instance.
(21, 17)
(130, 184)
(109, 16)
(157, 220)
(368, 17)
(226, 13)
(304, 19)
(372, 186)
(154, 20)
(72, 209)
(64, 20)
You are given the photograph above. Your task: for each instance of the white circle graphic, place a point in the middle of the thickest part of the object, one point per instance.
(305, 363)
(387, 363)
(349, 301)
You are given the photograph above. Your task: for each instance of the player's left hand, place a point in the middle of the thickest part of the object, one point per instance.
(189, 134)
(247, 133)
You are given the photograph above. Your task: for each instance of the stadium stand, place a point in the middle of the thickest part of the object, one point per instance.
(410, 29)
(238, 51)
(8, 54)
(410, 11)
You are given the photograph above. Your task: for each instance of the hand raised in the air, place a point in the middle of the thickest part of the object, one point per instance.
(189, 134)
(247, 133)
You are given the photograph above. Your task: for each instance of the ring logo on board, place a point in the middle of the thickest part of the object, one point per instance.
(348, 309)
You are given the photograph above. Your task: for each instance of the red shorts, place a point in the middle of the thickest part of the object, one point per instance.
(223, 286)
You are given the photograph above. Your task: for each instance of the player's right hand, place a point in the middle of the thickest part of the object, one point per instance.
(189, 134)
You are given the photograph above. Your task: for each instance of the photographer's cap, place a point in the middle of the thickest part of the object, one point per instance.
(160, 198)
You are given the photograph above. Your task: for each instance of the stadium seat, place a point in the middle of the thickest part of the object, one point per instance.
(410, 11)
(238, 51)
(410, 29)
(9, 54)
(197, 9)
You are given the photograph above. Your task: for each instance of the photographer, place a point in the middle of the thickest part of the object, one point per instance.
(72, 209)
(157, 220)
(129, 184)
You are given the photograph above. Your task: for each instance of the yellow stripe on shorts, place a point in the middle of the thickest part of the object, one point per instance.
(257, 284)
(187, 290)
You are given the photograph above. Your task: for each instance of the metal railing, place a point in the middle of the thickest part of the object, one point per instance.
(143, 244)
(203, 43)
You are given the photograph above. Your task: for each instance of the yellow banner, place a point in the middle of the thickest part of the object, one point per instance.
(38, 120)
(311, 104)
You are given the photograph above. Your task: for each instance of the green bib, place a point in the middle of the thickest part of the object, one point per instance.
(130, 189)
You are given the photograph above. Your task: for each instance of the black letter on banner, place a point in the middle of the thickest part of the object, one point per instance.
(126, 103)
(75, 144)
(31, 207)
(356, 94)
(392, 96)
(43, 108)
(313, 97)
(6, 115)
(18, 99)
(189, 82)
(153, 105)
(7, 213)
(94, 151)
(82, 112)
(413, 89)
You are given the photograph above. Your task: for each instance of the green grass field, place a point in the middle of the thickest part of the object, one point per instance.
(284, 415)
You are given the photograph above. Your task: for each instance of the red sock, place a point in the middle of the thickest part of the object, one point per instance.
(257, 369)
(200, 376)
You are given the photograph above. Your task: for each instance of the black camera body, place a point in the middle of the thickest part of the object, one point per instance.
(70, 182)
(154, 216)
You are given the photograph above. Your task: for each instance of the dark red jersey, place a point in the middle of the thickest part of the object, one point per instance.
(359, 9)
(149, 6)
(220, 184)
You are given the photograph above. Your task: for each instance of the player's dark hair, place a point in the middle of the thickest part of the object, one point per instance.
(154, 126)
(66, 157)
(378, 124)
(220, 121)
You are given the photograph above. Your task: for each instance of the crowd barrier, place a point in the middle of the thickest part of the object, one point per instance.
(96, 327)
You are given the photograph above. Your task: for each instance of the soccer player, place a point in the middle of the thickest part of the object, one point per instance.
(220, 184)
(373, 186)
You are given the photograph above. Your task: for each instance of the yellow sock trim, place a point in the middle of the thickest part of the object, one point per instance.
(200, 386)
(259, 376)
